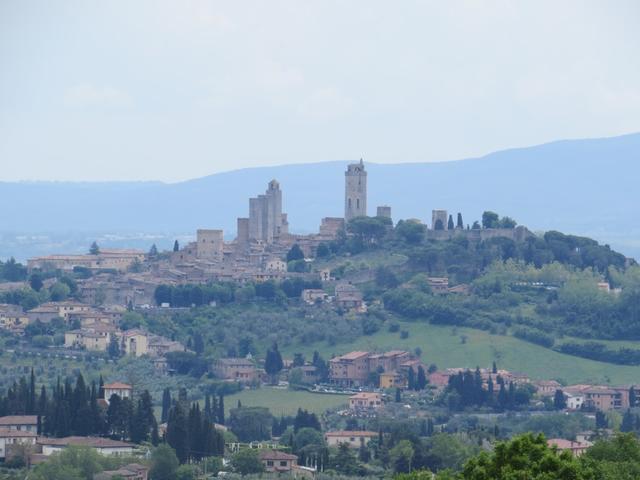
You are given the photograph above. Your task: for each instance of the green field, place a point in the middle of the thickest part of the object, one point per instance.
(443, 345)
(285, 402)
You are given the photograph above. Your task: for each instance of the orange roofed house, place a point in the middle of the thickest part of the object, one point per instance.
(280, 462)
(365, 401)
(350, 369)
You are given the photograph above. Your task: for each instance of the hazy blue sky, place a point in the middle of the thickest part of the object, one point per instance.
(171, 90)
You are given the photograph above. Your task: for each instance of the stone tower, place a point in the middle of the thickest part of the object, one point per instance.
(355, 191)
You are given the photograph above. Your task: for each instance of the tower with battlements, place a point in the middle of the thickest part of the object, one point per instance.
(355, 191)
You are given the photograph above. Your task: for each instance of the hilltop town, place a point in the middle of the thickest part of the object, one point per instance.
(270, 312)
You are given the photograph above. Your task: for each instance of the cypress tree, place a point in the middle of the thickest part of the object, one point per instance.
(31, 404)
(627, 422)
(411, 379)
(398, 395)
(177, 431)
(221, 410)
(176, 246)
(421, 380)
(559, 402)
(166, 405)
(460, 223)
(450, 225)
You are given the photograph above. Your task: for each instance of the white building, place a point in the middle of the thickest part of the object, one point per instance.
(9, 437)
(104, 446)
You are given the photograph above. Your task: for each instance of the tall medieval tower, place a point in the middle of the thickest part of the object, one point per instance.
(355, 191)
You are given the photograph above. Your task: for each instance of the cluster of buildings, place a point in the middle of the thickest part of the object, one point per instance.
(354, 369)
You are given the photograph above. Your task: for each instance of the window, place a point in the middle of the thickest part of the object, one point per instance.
(283, 463)
(358, 203)
(269, 463)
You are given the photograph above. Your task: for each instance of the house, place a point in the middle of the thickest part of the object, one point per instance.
(237, 369)
(350, 369)
(348, 297)
(354, 439)
(123, 390)
(605, 398)
(574, 402)
(392, 380)
(43, 314)
(13, 318)
(10, 437)
(23, 423)
(133, 471)
(365, 401)
(547, 388)
(388, 361)
(576, 448)
(313, 295)
(94, 338)
(438, 285)
(275, 461)
(275, 265)
(135, 342)
(104, 446)
(159, 346)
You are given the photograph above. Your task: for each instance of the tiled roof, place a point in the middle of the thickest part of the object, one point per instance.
(95, 442)
(276, 455)
(19, 420)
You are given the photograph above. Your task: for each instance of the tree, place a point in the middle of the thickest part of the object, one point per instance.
(273, 363)
(247, 461)
(438, 225)
(507, 222)
(411, 379)
(398, 395)
(450, 224)
(344, 461)
(410, 230)
(524, 457)
(153, 251)
(176, 246)
(628, 422)
(295, 253)
(460, 224)
(401, 457)
(35, 281)
(490, 220)
(166, 404)
(323, 251)
(251, 423)
(177, 435)
(559, 401)
(494, 368)
(59, 291)
(421, 379)
(113, 349)
(164, 463)
(94, 249)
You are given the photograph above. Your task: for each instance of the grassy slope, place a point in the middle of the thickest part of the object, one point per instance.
(285, 402)
(445, 349)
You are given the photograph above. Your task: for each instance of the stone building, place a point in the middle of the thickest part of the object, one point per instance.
(210, 244)
(267, 223)
(383, 211)
(355, 191)
(439, 220)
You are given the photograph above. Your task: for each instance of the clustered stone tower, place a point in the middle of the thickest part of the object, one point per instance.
(355, 191)
(266, 220)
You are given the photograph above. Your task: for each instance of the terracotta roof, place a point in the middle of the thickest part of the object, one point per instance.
(276, 455)
(563, 444)
(353, 355)
(19, 420)
(365, 395)
(349, 433)
(95, 442)
(11, 433)
(118, 385)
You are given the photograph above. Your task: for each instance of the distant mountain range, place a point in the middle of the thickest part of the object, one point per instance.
(587, 187)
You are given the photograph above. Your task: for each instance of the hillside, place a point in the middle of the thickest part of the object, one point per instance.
(586, 187)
